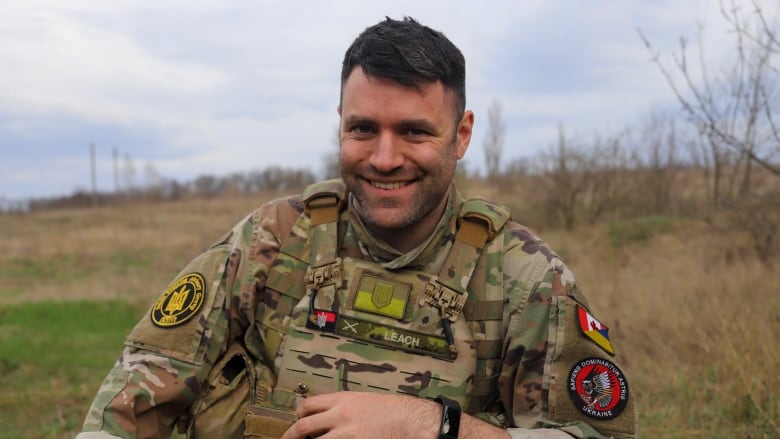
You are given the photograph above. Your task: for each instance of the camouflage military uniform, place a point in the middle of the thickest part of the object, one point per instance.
(552, 366)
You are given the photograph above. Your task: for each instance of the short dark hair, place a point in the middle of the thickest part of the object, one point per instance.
(409, 53)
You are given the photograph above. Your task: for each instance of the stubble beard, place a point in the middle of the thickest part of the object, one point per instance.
(433, 188)
(373, 213)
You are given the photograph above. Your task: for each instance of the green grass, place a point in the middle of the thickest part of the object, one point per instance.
(49, 355)
(69, 267)
(640, 229)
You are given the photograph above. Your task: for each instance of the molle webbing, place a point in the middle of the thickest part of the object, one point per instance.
(324, 235)
(323, 204)
(324, 265)
(323, 208)
(463, 257)
(479, 222)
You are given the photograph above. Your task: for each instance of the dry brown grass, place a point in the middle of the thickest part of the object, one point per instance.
(127, 251)
(694, 315)
(696, 319)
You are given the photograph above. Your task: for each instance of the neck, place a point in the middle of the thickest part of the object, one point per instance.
(408, 238)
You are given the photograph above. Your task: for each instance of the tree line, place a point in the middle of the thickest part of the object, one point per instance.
(716, 160)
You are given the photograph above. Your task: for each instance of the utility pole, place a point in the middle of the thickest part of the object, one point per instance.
(94, 173)
(116, 171)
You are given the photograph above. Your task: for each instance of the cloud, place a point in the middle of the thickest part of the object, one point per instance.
(61, 64)
(209, 86)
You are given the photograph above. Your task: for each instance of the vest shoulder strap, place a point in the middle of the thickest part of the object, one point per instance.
(493, 216)
(479, 221)
(323, 201)
(312, 239)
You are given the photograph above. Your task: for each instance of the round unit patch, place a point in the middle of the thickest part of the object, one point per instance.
(598, 388)
(180, 302)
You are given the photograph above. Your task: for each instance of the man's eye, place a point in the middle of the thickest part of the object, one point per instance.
(416, 132)
(361, 129)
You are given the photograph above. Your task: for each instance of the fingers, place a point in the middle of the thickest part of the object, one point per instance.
(316, 404)
(310, 426)
(316, 416)
(345, 415)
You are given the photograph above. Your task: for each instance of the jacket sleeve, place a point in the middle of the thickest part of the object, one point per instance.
(550, 361)
(169, 353)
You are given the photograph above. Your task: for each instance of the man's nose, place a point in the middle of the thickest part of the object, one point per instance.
(387, 154)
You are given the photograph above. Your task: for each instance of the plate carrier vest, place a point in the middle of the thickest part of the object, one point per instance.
(358, 326)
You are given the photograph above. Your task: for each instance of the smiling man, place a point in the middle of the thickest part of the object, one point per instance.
(379, 305)
(399, 149)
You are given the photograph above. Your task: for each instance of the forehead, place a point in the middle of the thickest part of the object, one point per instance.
(365, 94)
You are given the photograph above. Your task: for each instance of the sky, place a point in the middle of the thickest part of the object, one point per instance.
(196, 87)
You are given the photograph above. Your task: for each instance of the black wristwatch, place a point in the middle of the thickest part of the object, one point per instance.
(450, 418)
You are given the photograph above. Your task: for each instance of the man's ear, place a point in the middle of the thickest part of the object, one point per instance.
(463, 133)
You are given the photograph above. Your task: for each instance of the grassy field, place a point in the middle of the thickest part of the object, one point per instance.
(694, 316)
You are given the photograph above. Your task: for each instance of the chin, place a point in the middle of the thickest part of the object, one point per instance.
(387, 219)
(386, 222)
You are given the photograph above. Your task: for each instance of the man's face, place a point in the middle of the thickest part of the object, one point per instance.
(399, 150)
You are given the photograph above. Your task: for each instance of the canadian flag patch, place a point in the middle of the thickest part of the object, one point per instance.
(594, 330)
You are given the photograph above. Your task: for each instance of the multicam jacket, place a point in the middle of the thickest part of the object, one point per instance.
(214, 342)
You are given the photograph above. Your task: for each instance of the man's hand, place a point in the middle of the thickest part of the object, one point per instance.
(378, 415)
(364, 415)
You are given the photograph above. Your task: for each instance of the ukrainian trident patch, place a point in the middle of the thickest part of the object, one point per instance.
(322, 320)
(594, 330)
(180, 302)
(379, 295)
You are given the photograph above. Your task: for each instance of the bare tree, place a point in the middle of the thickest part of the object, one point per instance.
(735, 112)
(605, 165)
(583, 182)
(152, 178)
(330, 160)
(563, 181)
(656, 158)
(207, 185)
(129, 174)
(494, 140)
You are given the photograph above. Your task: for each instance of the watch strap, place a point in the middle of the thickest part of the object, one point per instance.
(450, 418)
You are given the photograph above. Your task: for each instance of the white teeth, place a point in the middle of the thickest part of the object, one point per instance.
(387, 185)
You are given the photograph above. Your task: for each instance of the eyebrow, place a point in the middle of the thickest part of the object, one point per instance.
(422, 124)
(358, 120)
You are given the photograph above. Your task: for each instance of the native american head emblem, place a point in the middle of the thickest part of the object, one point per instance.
(598, 388)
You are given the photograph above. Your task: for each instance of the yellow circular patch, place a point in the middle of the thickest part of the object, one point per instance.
(180, 302)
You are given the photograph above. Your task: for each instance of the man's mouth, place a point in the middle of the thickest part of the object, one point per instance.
(388, 186)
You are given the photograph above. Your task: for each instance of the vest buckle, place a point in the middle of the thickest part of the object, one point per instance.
(449, 301)
(330, 273)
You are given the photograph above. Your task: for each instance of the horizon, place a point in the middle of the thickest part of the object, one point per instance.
(260, 88)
